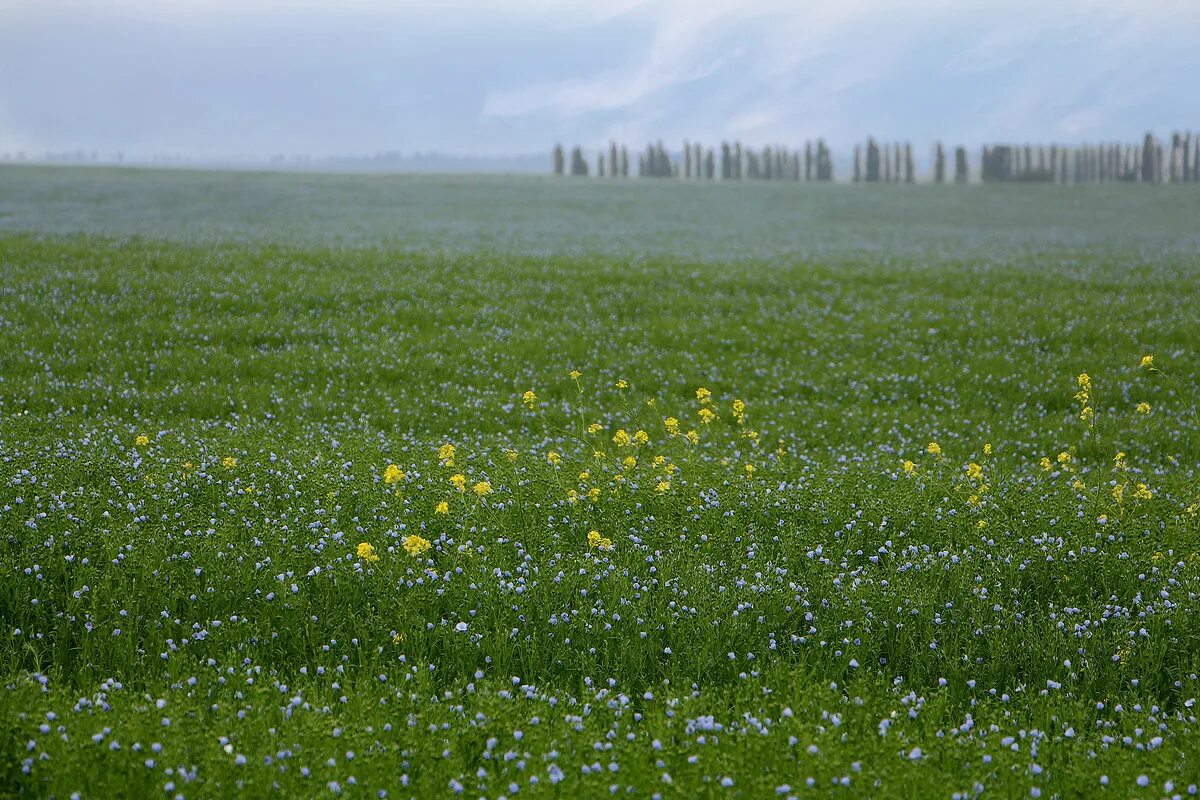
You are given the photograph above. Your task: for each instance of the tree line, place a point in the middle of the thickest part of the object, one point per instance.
(1148, 161)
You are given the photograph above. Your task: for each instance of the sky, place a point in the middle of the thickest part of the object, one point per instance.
(256, 78)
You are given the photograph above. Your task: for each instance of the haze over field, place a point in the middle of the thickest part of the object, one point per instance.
(214, 80)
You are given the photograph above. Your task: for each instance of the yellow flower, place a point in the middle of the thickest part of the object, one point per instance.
(662, 487)
(1119, 460)
(442, 508)
(229, 462)
(1064, 457)
(660, 460)
(1085, 381)
(933, 448)
(392, 474)
(1143, 408)
(621, 438)
(511, 455)
(459, 481)
(366, 552)
(739, 411)
(529, 398)
(672, 425)
(1192, 510)
(703, 395)
(572, 496)
(575, 374)
(641, 437)
(622, 384)
(1078, 485)
(1118, 492)
(987, 448)
(749, 468)
(1086, 413)
(446, 454)
(482, 488)
(594, 493)
(595, 540)
(629, 462)
(554, 458)
(706, 415)
(595, 427)
(752, 435)
(1147, 361)
(692, 436)
(973, 500)
(670, 468)
(1143, 492)
(909, 467)
(974, 471)
(650, 401)
(1046, 464)
(981, 524)
(142, 440)
(415, 545)
(584, 476)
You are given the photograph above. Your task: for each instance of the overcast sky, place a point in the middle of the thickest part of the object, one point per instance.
(216, 78)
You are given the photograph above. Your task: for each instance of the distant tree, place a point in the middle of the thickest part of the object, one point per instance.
(961, 169)
(698, 159)
(687, 159)
(824, 162)
(808, 161)
(1196, 158)
(909, 169)
(939, 163)
(726, 162)
(737, 161)
(1148, 147)
(709, 165)
(873, 171)
(600, 165)
(887, 164)
(579, 165)
(858, 163)
(614, 163)
(624, 162)
(558, 159)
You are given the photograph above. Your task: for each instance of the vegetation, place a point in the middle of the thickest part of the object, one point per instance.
(458, 490)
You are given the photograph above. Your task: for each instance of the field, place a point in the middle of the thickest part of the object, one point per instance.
(406, 487)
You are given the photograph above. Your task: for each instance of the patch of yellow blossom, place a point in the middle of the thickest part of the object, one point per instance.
(933, 448)
(1143, 408)
(908, 466)
(622, 384)
(393, 474)
(598, 542)
(974, 471)
(629, 462)
(366, 551)
(554, 458)
(739, 411)
(446, 454)
(1147, 361)
(703, 395)
(575, 374)
(459, 481)
(641, 438)
(706, 415)
(662, 487)
(529, 399)
(415, 545)
(142, 440)
(672, 425)
(749, 468)
(228, 462)
(692, 437)
(482, 489)
(621, 438)
(595, 427)
(511, 455)
(442, 508)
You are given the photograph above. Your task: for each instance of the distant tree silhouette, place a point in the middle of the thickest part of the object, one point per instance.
(873, 165)
(558, 159)
(961, 168)
(909, 170)
(824, 162)
(624, 162)
(737, 160)
(579, 165)
(1148, 148)
(939, 163)
(808, 161)
(887, 164)
(687, 159)
(600, 165)
(858, 163)
(614, 163)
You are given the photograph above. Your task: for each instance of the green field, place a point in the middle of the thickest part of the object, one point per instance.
(213, 583)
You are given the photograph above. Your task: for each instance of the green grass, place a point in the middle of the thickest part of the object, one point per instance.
(173, 625)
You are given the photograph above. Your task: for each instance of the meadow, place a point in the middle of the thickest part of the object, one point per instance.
(365, 486)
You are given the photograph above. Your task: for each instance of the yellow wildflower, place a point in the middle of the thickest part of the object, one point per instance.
(594, 493)
(366, 552)
(622, 384)
(909, 467)
(446, 454)
(575, 374)
(987, 448)
(1147, 361)
(415, 545)
(572, 496)
(692, 436)
(1085, 381)
(1118, 492)
(749, 468)
(703, 395)
(1119, 460)
(1143, 492)
(621, 438)
(662, 487)
(672, 425)
(584, 476)
(641, 437)
(442, 508)
(511, 455)
(595, 427)
(981, 524)
(229, 462)
(1064, 457)
(933, 448)
(739, 411)
(459, 481)
(142, 440)
(529, 398)
(629, 462)
(670, 468)
(1078, 485)
(974, 471)
(1143, 408)
(482, 488)
(706, 415)
(660, 460)
(392, 474)
(554, 458)
(1046, 464)
(595, 540)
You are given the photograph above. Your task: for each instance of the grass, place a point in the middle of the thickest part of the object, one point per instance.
(191, 614)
